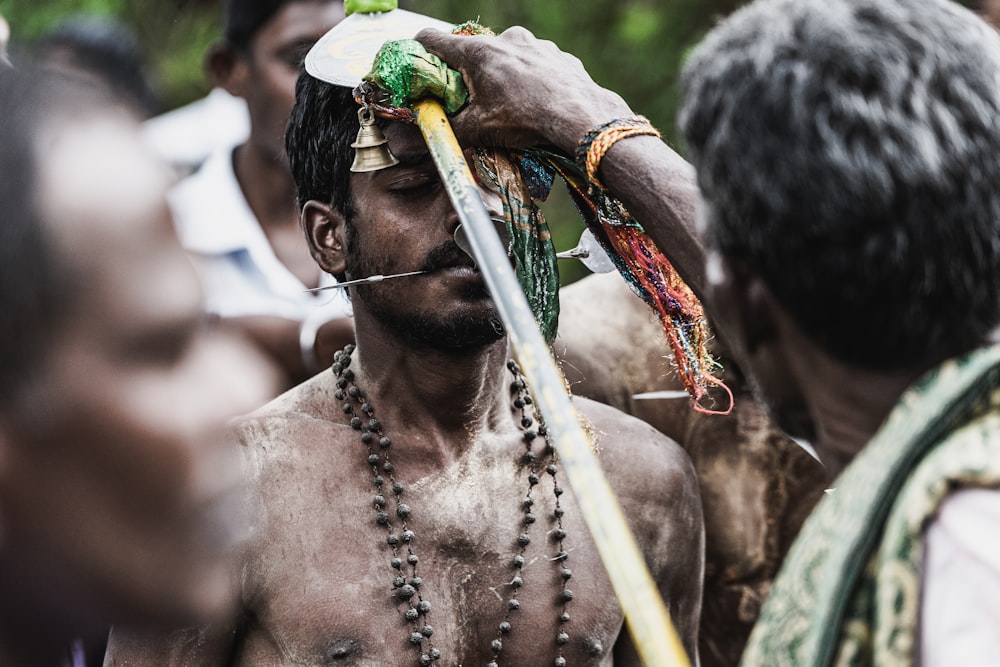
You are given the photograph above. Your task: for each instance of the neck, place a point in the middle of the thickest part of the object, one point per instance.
(847, 405)
(267, 186)
(443, 396)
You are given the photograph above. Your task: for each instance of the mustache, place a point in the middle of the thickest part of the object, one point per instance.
(446, 256)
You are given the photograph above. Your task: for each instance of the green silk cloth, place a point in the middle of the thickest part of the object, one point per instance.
(849, 590)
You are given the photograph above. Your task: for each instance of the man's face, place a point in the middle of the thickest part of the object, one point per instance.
(275, 54)
(119, 489)
(405, 222)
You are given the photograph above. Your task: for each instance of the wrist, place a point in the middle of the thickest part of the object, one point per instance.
(589, 113)
(597, 141)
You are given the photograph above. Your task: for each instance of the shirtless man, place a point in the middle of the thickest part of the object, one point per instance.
(487, 577)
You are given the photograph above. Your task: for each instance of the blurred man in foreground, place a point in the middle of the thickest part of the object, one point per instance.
(117, 488)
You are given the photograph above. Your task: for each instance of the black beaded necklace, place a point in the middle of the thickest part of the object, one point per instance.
(406, 584)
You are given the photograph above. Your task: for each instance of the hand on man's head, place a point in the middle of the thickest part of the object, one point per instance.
(523, 91)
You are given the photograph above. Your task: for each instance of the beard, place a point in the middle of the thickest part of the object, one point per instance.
(456, 333)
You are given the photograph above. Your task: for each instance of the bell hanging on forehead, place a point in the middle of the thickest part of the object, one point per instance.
(371, 149)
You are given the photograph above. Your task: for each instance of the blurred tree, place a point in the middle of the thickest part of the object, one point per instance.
(633, 46)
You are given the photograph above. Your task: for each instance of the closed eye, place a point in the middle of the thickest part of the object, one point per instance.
(416, 185)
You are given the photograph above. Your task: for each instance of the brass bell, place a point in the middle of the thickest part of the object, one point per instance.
(371, 151)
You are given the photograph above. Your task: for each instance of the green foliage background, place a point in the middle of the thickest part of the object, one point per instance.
(633, 46)
(174, 34)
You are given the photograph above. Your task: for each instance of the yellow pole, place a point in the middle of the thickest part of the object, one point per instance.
(648, 621)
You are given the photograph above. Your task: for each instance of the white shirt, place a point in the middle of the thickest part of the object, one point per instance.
(239, 270)
(960, 605)
(186, 136)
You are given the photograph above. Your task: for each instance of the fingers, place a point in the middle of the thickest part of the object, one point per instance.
(444, 45)
(463, 51)
(518, 35)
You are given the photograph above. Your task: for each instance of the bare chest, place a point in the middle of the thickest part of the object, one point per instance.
(472, 565)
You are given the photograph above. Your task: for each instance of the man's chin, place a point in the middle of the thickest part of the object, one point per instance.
(463, 335)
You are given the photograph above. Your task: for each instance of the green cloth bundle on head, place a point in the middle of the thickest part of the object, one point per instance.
(404, 73)
(405, 70)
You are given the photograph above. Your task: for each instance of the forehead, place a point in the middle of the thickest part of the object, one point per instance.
(405, 140)
(103, 196)
(96, 179)
(300, 22)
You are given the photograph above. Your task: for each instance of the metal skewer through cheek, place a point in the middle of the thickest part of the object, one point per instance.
(370, 279)
(652, 631)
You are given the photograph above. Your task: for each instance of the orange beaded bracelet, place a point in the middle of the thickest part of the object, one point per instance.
(598, 141)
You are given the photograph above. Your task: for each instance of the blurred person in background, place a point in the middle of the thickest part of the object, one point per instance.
(237, 214)
(105, 52)
(757, 485)
(119, 493)
(186, 136)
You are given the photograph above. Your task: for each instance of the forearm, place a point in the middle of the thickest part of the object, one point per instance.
(526, 92)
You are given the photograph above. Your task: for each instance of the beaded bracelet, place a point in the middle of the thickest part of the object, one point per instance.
(598, 141)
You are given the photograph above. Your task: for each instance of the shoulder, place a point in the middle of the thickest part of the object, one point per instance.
(208, 204)
(628, 444)
(654, 481)
(652, 476)
(294, 428)
(290, 451)
(609, 341)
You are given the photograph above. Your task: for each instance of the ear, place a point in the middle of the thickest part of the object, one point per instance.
(227, 68)
(325, 229)
(740, 306)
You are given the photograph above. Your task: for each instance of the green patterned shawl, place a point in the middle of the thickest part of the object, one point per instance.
(849, 591)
